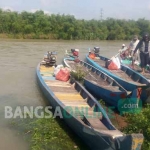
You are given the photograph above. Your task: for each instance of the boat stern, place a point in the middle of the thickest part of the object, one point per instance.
(129, 142)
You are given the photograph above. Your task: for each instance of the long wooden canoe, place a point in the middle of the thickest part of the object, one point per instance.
(99, 83)
(137, 68)
(84, 114)
(125, 76)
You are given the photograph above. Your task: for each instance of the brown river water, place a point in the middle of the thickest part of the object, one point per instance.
(18, 86)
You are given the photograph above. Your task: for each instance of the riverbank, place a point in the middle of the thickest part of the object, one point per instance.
(27, 36)
(48, 134)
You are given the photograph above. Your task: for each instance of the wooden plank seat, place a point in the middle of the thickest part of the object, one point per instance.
(64, 89)
(50, 78)
(80, 108)
(57, 83)
(97, 124)
(46, 67)
(69, 96)
(88, 114)
(81, 105)
(46, 72)
(73, 103)
(70, 99)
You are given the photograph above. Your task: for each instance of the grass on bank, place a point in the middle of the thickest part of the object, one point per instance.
(140, 123)
(54, 134)
(48, 134)
(135, 123)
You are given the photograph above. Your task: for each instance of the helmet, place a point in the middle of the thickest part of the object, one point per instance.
(123, 45)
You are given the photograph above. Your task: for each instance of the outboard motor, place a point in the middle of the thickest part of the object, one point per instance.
(72, 50)
(96, 50)
(75, 52)
(50, 58)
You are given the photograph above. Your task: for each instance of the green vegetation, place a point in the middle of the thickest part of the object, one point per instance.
(38, 25)
(134, 123)
(48, 134)
(140, 123)
(78, 74)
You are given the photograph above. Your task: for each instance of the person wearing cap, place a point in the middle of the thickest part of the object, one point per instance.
(144, 47)
(123, 48)
(122, 51)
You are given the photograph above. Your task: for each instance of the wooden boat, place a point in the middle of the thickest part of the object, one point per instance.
(137, 68)
(84, 114)
(125, 76)
(99, 83)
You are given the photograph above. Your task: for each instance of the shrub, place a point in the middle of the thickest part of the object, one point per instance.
(140, 123)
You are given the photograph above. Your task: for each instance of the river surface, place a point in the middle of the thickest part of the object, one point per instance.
(18, 86)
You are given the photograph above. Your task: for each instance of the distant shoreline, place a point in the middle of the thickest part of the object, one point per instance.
(26, 36)
(43, 37)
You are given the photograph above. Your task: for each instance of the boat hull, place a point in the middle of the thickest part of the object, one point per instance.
(110, 97)
(94, 139)
(137, 68)
(111, 92)
(128, 85)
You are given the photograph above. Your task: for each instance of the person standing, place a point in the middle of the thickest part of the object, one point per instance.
(132, 47)
(144, 48)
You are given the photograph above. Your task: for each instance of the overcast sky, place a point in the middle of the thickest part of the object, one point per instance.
(84, 9)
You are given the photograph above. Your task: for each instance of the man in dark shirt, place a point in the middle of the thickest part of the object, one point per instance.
(144, 48)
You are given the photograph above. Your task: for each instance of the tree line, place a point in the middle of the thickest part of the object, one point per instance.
(38, 25)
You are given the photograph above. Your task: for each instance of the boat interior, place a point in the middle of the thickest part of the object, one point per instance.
(97, 77)
(78, 102)
(124, 73)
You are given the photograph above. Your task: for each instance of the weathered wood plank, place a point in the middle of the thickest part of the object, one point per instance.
(82, 105)
(70, 97)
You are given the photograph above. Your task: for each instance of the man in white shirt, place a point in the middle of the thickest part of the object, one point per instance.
(132, 47)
